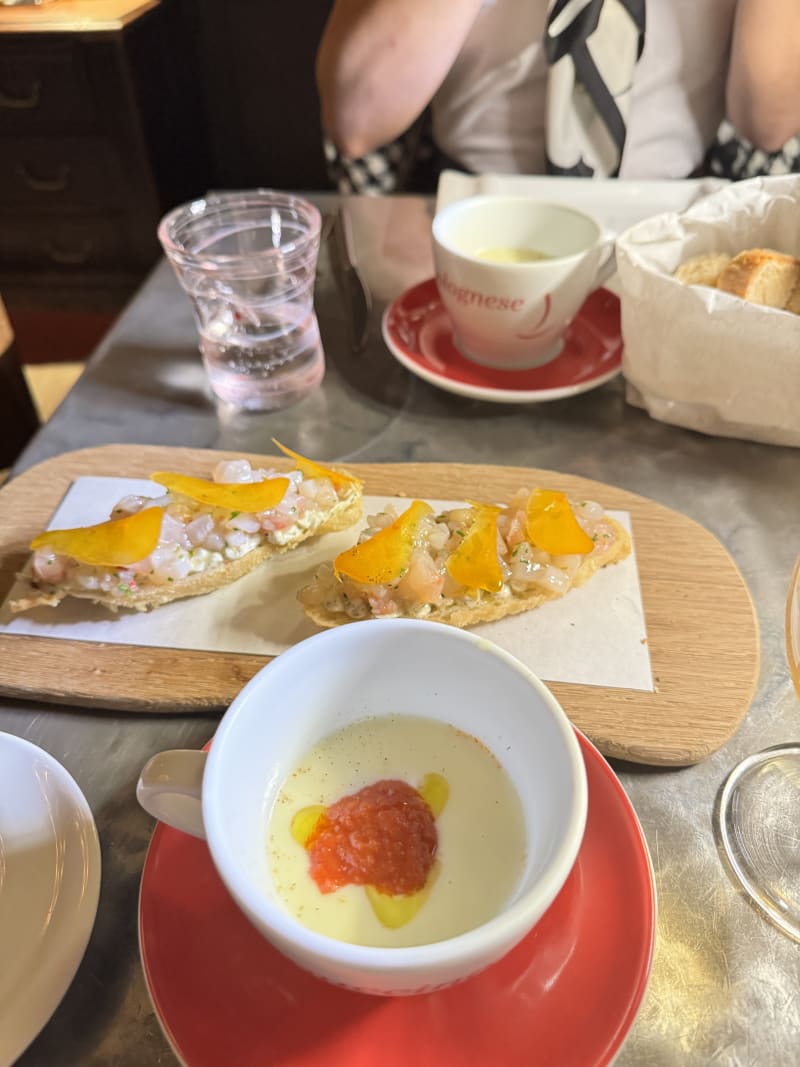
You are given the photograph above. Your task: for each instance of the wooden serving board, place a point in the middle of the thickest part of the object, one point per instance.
(702, 630)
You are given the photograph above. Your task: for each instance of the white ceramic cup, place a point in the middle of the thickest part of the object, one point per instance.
(514, 315)
(317, 687)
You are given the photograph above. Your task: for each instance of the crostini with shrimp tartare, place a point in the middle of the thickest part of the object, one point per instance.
(466, 565)
(196, 537)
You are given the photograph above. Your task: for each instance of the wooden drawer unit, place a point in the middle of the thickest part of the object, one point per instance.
(40, 174)
(44, 85)
(101, 132)
(80, 243)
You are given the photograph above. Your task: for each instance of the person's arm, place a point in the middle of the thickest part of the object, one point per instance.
(379, 63)
(763, 89)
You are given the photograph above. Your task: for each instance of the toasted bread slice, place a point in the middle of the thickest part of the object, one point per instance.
(124, 588)
(793, 303)
(761, 276)
(334, 598)
(704, 269)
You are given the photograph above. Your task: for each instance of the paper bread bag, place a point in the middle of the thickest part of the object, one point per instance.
(698, 357)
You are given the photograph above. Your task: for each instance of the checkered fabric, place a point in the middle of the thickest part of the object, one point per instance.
(375, 174)
(592, 48)
(733, 157)
(410, 164)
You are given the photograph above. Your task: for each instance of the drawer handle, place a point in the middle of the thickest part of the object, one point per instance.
(22, 103)
(71, 256)
(56, 184)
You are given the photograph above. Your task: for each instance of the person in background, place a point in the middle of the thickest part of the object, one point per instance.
(606, 88)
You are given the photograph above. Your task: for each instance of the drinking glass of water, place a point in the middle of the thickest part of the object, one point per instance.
(248, 262)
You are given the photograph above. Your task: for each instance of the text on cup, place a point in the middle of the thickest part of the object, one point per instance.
(462, 295)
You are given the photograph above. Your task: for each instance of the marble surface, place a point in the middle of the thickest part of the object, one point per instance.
(724, 983)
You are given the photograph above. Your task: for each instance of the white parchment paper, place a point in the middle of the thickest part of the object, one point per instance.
(698, 357)
(595, 635)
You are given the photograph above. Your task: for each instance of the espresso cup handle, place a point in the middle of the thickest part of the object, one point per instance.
(609, 264)
(169, 789)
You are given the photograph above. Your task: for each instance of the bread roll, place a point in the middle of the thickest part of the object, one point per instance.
(704, 269)
(793, 303)
(761, 276)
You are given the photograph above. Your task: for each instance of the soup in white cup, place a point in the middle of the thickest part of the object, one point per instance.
(513, 272)
(355, 674)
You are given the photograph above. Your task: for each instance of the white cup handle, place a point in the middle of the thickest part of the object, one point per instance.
(170, 786)
(608, 266)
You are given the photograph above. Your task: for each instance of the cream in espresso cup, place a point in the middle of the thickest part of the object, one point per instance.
(460, 724)
(513, 272)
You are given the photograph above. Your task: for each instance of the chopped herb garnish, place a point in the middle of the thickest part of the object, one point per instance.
(234, 514)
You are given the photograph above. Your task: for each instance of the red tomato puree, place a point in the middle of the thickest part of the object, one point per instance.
(384, 836)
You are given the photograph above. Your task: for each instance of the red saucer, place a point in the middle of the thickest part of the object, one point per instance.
(418, 332)
(566, 995)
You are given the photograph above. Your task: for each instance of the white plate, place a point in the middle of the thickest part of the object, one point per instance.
(617, 203)
(49, 887)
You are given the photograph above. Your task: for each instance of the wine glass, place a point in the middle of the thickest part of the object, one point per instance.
(758, 812)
